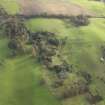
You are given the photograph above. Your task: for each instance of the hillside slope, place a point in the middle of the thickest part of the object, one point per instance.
(19, 80)
(20, 76)
(83, 49)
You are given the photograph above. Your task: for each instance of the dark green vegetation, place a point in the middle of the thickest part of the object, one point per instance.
(24, 80)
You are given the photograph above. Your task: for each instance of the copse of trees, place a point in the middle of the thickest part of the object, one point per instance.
(93, 95)
(3, 14)
(66, 83)
(14, 28)
(13, 44)
(93, 99)
(46, 45)
(72, 86)
(80, 20)
(43, 44)
(77, 21)
(86, 76)
(16, 47)
(62, 70)
(17, 33)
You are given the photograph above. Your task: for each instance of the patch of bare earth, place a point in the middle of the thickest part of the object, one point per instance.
(55, 8)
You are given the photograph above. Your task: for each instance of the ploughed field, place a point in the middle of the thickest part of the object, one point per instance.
(51, 8)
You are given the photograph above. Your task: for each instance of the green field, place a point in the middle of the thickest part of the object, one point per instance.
(82, 48)
(93, 6)
(11, 6)
(20, 76)
(19, 80)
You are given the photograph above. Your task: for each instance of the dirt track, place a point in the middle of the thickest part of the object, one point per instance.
(55, 8)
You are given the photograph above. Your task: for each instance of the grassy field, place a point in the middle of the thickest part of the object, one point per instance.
(95, 7)
(11, 6)
(20, 76)
(19, 80)
(82, 48)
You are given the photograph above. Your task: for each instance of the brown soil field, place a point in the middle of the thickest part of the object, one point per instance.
(55, 8)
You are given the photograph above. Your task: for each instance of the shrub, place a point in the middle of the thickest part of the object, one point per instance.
(93, 99)
(13, 45)
(14, 28)
(3, 13)
(54, 42)
(93, 95)
(86, 76)
(42, 81)
(72, 86)
(80, 20)
(16, 46)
